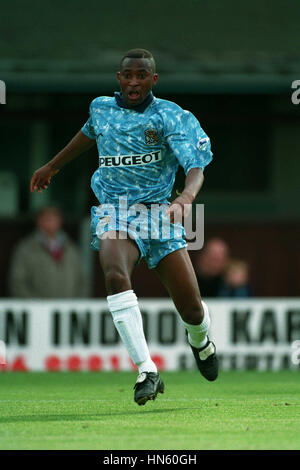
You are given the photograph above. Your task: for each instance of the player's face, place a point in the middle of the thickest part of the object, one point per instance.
(136, 79)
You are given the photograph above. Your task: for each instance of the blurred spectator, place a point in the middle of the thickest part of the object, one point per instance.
(46, 264)
(236, 280)
(210, 267)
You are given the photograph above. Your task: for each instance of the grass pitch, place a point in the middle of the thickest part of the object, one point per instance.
(81, 410)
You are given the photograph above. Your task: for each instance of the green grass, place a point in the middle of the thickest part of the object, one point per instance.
(241, 410)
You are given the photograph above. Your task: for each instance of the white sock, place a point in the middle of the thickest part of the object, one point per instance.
(197, 334)
(128, 321)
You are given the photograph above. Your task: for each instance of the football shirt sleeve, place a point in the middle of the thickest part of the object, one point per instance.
(188, 141)
(88, 128)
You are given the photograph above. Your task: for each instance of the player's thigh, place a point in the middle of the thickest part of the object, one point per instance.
(178, 276)
(119, 254)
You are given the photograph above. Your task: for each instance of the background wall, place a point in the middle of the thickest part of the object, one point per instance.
(231, 63)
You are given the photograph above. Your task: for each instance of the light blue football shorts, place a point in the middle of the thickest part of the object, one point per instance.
(148, 225)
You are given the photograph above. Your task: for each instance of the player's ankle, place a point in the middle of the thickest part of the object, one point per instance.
(147, 366)
(198, 344)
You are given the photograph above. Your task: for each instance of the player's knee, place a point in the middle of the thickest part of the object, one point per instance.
(116, 281)
(192, 313)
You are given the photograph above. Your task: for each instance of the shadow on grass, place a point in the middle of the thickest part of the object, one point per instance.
(83, 417)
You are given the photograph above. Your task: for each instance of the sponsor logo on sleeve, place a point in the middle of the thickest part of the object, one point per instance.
(202, 143)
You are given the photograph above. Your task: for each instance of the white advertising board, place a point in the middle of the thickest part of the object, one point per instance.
(256, 334)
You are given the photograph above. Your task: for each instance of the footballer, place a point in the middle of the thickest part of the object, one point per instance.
(141, 141)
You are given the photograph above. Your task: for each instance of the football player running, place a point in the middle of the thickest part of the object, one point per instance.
(141, 141)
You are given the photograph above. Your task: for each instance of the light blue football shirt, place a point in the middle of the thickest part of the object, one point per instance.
(139, 152)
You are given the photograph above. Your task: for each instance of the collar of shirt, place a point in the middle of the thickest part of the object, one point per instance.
(140, 108)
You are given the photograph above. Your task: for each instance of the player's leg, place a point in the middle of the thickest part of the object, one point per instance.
(177, 274)
(118, 258)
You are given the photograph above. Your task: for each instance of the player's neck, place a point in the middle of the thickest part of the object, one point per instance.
(140, 108)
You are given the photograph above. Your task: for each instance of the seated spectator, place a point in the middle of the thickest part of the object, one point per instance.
(46, 264)
(210, 266)
(236, 280)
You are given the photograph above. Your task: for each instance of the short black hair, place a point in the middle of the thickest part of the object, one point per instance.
(139, 54)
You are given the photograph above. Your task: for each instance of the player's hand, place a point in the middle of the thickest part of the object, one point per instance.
(179, 209)
(41, 178)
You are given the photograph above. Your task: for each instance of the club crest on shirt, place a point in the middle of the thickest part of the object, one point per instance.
(151, 136)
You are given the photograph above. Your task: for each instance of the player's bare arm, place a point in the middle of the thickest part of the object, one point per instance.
(42, 177)
(182, 204)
